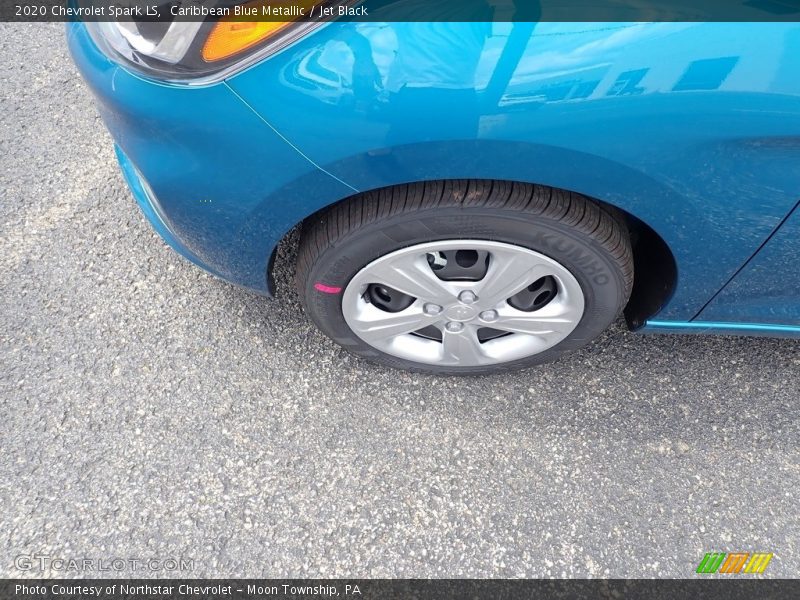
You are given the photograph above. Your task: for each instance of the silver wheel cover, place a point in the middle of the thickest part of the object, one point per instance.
(459, 309)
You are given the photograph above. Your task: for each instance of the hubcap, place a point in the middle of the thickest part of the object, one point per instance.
(463, 303)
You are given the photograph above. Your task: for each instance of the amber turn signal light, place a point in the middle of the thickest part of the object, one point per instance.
(231, 36)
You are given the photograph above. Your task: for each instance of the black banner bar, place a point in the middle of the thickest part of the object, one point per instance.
(402, 10)
(734, 587)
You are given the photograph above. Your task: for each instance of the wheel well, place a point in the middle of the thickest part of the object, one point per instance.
(655, 270)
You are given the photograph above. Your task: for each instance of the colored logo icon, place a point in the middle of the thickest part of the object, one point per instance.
(734, 562)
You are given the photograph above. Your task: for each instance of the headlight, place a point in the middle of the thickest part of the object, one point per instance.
(202, 51)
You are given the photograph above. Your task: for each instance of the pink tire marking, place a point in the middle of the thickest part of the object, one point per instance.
(327, 289)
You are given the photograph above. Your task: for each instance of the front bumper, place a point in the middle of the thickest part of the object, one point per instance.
(228, 187)
(151, 208)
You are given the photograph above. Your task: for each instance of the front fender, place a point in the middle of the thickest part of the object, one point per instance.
(692, 128)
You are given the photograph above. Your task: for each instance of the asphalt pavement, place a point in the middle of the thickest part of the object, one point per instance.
(150, 411)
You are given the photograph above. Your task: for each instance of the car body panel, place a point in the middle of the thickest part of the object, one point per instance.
(691, 127)
(767, 289)
(224, 184)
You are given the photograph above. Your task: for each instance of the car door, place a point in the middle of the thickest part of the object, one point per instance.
(767, 289)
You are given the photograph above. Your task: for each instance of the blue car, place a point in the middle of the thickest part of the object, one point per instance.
(473, 197)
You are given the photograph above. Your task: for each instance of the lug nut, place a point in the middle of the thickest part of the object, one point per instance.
(488, 315)
(454, 326)
(467, 297)
(431, 309)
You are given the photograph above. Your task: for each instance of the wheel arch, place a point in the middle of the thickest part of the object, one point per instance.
(655, 267)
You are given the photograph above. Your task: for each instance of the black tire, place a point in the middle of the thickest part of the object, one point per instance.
(580, 234)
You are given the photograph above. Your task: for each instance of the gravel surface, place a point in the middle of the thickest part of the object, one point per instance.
(148, 410)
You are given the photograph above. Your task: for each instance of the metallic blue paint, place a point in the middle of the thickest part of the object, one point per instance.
(151, 208)
(767, 290)
(228, 186)
(721, 328)
(693, 128)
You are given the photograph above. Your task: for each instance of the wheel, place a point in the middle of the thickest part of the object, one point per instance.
(464, 277)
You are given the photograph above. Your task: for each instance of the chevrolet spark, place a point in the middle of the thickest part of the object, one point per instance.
(473, 197)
